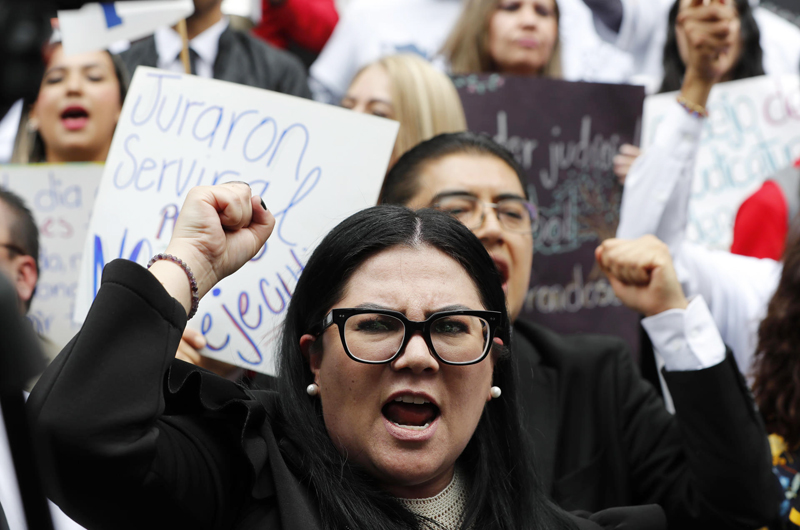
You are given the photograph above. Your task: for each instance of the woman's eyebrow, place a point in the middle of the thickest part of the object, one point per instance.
(453, 193)
(55, 69)
(509, 196)
(453, 307)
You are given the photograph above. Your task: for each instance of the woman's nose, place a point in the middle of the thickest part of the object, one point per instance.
(416, 356)
(74, 83)
(528, 16)
(490, 230)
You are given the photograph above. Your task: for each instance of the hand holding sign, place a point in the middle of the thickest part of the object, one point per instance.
(642, 274)
(219, 229)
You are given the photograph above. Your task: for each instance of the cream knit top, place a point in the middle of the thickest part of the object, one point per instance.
(446, 509)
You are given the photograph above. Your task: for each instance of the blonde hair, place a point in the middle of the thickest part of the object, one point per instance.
(28, 145)
(467, 47)
(424, 99)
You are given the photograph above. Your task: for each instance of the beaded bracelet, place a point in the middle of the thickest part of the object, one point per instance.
(188, 271)
(698, 111)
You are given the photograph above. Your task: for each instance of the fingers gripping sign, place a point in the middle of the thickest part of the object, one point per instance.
(642, 274)
(218, 230)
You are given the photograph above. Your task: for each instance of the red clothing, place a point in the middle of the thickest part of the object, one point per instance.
(307, 23)
(762, 223)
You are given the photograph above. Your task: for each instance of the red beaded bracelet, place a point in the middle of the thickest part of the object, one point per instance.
(188, 271)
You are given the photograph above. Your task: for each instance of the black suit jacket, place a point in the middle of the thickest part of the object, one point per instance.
(603, 438)
(135, 449)
(242, 59)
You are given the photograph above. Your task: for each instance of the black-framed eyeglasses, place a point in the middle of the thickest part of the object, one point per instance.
(515, 214)
(14, 248)
(377, 336)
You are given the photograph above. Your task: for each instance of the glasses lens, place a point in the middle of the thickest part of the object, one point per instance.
(373, 337)
(515, 215)
(465, 209)
(459, 338)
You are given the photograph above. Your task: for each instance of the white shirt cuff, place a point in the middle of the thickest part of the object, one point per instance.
(687, 339)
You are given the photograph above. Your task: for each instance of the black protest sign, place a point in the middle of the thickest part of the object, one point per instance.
(565, 135)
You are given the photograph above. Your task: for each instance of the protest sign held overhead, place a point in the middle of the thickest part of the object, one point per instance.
(565, 136)
(60, 196)
(752, 132)
(313, 165)
(96, 26)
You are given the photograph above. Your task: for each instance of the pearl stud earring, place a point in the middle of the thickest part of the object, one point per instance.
(495, 392)
(312, 389)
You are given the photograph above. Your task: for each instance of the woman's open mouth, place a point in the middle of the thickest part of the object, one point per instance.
(74, 118)
(502, 268)
(408, 417)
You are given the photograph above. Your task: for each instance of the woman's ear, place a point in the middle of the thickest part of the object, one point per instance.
(312, 355)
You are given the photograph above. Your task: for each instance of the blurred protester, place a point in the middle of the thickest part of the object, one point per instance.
(407, 89)
(506, 36)
(762, 221)
(602, 435)
(776, 387)
(643, 33)
(369, 30)
(19, 262)
(299, 26)
(77, 109)
(220, 52)
(740, 57)
(711, 41)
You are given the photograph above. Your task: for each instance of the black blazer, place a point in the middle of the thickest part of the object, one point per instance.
(241, 59)
(135, 449)
(603, 438)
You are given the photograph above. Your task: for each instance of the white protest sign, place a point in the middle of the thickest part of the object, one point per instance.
(313, 164)
(95, 26)
(60, 196)
(753, 131)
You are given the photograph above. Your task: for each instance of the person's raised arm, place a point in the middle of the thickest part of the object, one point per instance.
(711, 463)
(657, 188)
(121, 460)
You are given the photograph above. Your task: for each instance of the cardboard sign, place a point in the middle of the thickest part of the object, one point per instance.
(96, 26)
(60, 196)
(313, 164)
(752, 132)
(565, 136)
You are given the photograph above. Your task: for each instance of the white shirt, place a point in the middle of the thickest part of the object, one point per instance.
(206, 45)
(371, 29)
(655, 201)
(8, 131)
(644, 32)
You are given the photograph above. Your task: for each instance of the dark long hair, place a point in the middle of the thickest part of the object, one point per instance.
(503, 492)
(777, 360)
(750, 64)
(402, 182)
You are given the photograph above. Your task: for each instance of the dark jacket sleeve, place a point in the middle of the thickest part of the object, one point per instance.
(122, 462)
(709, 466)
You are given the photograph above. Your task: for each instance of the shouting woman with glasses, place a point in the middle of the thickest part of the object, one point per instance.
(602, 436)
(387, 411)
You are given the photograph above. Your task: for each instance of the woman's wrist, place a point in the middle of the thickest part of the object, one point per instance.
(177, 280)
(696, 88)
